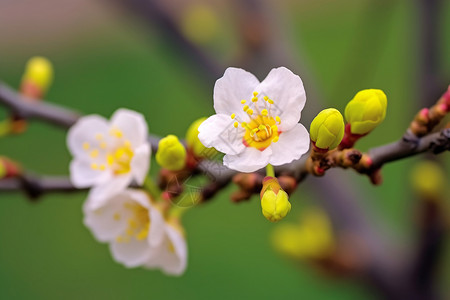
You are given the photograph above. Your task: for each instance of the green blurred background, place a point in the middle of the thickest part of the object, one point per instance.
(105, 59)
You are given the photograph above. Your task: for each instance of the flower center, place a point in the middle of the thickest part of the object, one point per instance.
(117, 158)
(262, 130)
(138, 223)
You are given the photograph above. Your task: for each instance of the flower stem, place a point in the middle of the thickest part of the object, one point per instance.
(270, 171)
(152, 188)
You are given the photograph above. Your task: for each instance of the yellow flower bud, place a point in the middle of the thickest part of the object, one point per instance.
(3, 170)
(428, 179)
(327, 129)
(311, 239)
(366, 110)
(200, 23)
(194, 143)
(274, 201)
(171, 153)
(39, 71)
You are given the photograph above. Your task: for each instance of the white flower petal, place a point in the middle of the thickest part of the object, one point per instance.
(132, 124)
(235, 85)
(100, 194)
(218, 131)
(132, 253)
(179, 243)
(85, 131)
(250, 160)
(157, 228)
(140, 163)
(287, 91)
(108, 221)
(82, 175)
(291, 145)
(141, 197)
(172, 253)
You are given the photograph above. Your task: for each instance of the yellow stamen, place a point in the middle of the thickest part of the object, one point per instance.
(254, 99)
(264, 112)
(255, 94)
(86, 145)
(116, 133)
(170, 247)
(116, 216)
(236, 124)
(99, 136)
(119, 153)
(243, 101)
(132, 223)
(245, 107)
(110, 159)
(94, 153)
(233, 116)
(94, 166)
(275, 139)
(277, 118)
(270, 101)
(102, 167)
(142, 234)
(265, 98)
(103, 145)
(250, 111)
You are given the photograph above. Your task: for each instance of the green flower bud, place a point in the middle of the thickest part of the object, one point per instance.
(366, 110)
(194, 143)
(327, 129)
(274, 201)
(171, 153)
(39, 71)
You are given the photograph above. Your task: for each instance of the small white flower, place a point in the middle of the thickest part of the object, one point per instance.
(108, 155)
(257, 123)
(137, 232)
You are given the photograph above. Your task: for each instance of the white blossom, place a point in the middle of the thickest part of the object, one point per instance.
(138, 233)
(108, 155)
(256, 123)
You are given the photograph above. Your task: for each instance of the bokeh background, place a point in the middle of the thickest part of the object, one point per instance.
(108, 55)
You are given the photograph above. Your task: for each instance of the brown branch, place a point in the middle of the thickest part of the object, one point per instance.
(35, 186)
(152, 12)
(40, 110)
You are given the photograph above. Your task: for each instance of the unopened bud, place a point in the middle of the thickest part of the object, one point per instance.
(311, 239)
(194, 143)
(327, 129)
(366, 110)
(38, 73)
(171, 153)
(428, 179)
(274, 201)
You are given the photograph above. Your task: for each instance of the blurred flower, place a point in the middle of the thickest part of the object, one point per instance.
(199, 23)
(137, 232)
(428, 179)
(171, 154)
(39, 73)
(327, 129)
(311, 239)
(108, 156)
(366, 110)
(3, 169)
(194, 143)
(263, 130)
(274, 201)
